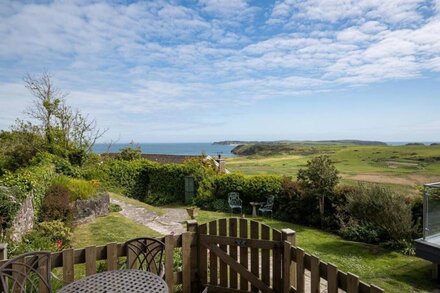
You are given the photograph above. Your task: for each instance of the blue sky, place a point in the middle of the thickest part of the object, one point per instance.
(183, 71)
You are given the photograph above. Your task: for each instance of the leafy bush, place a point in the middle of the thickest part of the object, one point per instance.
(35, 179)
(250, 188)
(117, 175)
(364, 232)
(378, 206)
(62, 165)
(10, 201)
(115, 208)
(78, 188)
(130, 153)
(56, 204)
(50, 236)
(220, 205)
(294, 205)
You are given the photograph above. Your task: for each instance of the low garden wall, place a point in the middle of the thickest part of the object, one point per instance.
(87, 210)
(24, 219)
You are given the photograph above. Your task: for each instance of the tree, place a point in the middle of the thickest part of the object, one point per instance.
(65, 130)
(320, 177)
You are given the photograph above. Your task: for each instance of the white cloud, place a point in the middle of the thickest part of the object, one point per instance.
(390, 11)
(158, 61)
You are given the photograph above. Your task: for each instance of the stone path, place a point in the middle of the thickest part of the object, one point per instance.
(168, 223)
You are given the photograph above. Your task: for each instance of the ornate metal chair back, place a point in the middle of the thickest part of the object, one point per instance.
(269, 204)
(234, 199)
(27, 273)
(145, 254)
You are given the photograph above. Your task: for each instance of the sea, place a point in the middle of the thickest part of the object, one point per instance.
(190, 149)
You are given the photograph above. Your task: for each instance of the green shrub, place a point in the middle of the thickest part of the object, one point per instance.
(118, 175)
(115, 208)
(294, 205)
(35, 179)
(56, 204)
(78, 188)
(380, 207)
(363, 232)
(220, 205)
(130, 153)
(10, 202)
(62, 165)
(250, 188)
(48, 236)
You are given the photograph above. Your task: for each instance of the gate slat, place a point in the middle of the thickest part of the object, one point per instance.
(300, 281)
(223, 265)
(259, 285)
(352, 283)
(265, 256)
(276, 264)
(315, 278)
(233, 253)
(90, 260)
(203, 257)
(213, 277)
(255, 264)
(332, 278)
(244, 284)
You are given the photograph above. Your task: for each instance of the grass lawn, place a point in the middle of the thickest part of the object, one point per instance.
(112, 228)
(390, 270)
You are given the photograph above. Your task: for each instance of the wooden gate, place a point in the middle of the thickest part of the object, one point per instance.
(238, 254)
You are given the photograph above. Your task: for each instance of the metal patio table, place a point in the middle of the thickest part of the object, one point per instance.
(118, 281)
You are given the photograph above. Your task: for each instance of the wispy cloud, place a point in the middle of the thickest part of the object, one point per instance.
(162, 61)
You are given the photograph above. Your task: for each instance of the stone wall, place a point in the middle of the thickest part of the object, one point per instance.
(24, 220)
(87, 210)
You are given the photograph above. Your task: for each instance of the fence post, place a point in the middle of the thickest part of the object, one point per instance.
(290, 236)
(3, 251)
(287, 264)
(192, 226)
(187, 241)
(169, 261)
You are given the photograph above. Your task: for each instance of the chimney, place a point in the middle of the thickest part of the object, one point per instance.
(221, 164)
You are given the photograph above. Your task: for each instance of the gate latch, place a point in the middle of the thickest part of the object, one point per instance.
(240, 242)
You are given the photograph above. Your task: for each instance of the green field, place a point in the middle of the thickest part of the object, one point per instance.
(399, 166)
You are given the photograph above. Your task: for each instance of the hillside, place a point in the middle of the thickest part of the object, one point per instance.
(277, 142)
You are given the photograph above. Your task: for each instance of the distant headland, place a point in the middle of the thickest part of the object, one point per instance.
(344, 141)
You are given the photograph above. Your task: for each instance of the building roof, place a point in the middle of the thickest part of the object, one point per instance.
(159, 158)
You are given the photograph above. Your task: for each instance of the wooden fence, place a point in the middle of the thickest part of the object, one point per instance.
(240, 255)
(228, 255)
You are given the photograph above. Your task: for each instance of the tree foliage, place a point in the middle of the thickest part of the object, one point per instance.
(320, 178)
(53, 127)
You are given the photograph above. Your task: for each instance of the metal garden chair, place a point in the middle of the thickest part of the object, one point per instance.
(267, 207)
(27, 273)
(234, 202)
(145, 254)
